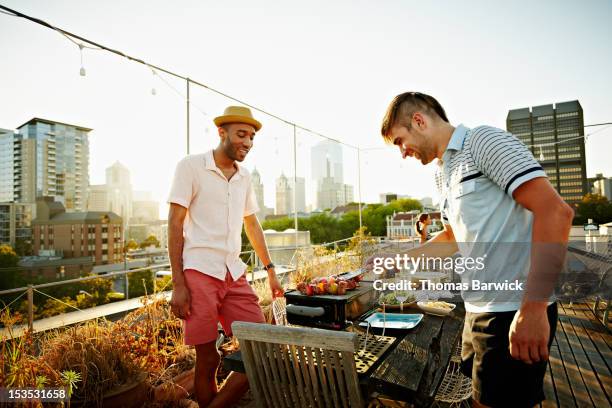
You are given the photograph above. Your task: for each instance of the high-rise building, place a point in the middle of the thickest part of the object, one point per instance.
(120, 191)
(327, 169)
(18, 173)
(286, 187)
(284, 196)
(555, 136)
(45, 158)
(323, 153)
(330, 193)
(97, 198)
(258, 189)
(16, 223)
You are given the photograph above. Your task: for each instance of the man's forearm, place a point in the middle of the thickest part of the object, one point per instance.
(258, 242)
(175, 252)
(442, 245)
(549, 247)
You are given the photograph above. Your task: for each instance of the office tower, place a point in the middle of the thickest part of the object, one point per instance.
(299, 185)
(120, 191)
(97, 198)
(322, 153)
(331, 193)
(555, 136)
(284, 196)
(45, 158)
(258, 189)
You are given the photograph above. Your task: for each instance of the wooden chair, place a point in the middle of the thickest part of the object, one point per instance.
(299, 367)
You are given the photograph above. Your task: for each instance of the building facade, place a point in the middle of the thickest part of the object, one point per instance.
(555, 136)
(97, 198)
(258, 189)
(601, 185)
(402, 225)
(284, 196)
(16, 224)
(96, 234)
(119, 190)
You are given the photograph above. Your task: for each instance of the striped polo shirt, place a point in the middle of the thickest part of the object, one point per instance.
(478, 173)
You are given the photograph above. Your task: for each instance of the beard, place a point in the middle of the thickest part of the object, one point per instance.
(231, 151)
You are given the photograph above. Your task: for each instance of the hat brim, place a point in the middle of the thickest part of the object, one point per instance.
(225, 119)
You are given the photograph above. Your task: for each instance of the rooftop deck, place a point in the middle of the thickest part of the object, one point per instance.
(580, 368)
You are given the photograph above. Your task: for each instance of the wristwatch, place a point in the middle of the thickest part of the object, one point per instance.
(269, 266)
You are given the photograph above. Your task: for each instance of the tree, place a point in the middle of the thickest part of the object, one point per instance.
(151, 240)
(23, 247)
(131, 245)
(8, 257)
(593, 206)
(140, 283)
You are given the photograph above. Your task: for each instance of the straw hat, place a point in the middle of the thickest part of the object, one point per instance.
(237, 114)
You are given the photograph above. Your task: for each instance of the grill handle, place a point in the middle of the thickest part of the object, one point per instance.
(307, 311)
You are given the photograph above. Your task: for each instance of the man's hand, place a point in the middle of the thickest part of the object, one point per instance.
(275, 286)
(180, 303)
(529, 333)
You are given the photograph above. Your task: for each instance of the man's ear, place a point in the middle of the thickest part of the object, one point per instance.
(222, 132)
(419, 118)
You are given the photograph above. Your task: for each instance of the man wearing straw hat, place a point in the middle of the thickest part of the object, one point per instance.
(210, 199)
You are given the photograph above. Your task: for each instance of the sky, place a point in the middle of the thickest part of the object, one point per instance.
(331, 67)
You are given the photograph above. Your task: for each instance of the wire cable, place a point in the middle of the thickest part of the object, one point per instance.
(167, 71)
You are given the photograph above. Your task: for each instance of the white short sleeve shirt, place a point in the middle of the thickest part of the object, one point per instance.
(216, 210)
(480, 170)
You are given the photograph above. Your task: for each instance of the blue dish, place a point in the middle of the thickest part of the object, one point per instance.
(393, 320)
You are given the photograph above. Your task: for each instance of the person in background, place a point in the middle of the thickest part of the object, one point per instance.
(421, 227)
(210, 200)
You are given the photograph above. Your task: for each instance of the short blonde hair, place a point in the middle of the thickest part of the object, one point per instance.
(403, 106)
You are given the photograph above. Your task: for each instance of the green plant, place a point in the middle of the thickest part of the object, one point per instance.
(70, 379)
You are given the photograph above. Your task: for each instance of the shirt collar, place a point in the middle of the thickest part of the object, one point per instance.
(209, 159)
(457, 138)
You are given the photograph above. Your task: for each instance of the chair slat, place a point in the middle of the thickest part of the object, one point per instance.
(276, 384)
(260, 355)
(327, 356)
(325, 390)
(286, 384)
(352, 381)
(340, 376)
(309, 370)
(286, 369)
(254, 378)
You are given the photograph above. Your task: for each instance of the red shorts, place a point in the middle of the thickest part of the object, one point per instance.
(214, 301)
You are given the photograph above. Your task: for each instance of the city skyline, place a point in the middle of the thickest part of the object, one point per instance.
(344, 97)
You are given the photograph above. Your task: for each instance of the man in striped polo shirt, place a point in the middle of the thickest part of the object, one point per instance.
(496, 203)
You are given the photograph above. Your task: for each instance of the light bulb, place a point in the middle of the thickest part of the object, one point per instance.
(82, 72)
(153, 91)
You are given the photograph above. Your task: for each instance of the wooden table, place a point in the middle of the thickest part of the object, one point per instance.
(412, 368)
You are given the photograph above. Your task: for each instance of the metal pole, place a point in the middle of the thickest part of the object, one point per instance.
(30, 307)
(295, 215)
(359, 183)
(188, 123)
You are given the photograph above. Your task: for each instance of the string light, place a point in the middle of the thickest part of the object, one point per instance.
(153, 90)
(82, 71)
(541, 153)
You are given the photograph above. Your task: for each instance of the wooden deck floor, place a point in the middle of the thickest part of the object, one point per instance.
(580, 368)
